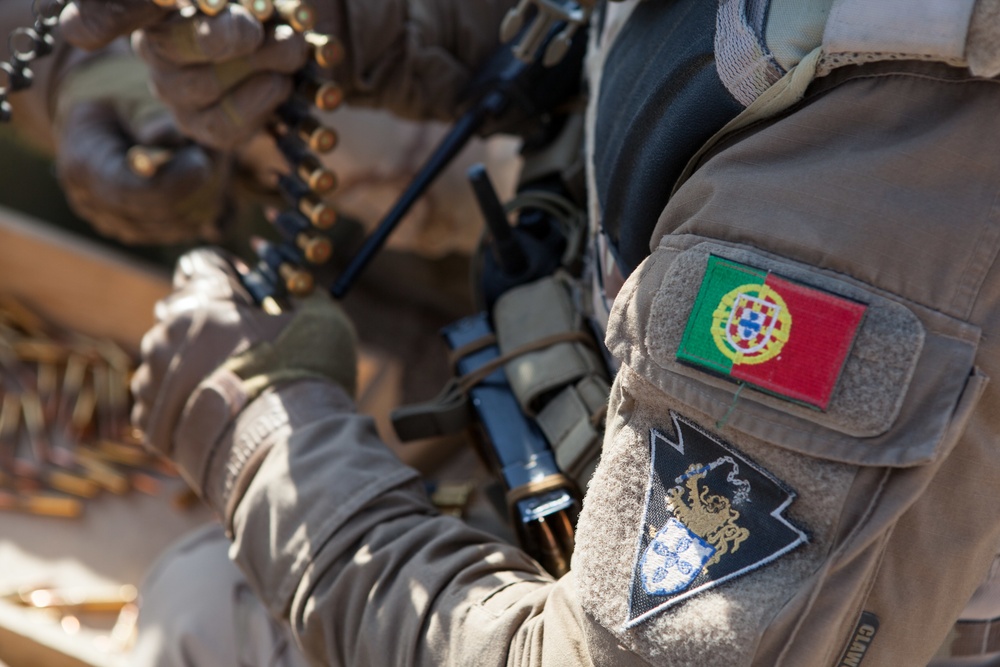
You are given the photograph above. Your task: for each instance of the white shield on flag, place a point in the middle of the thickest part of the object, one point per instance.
(751, 323)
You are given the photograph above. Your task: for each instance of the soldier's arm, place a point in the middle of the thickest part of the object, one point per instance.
(336, 535)
(339, 538)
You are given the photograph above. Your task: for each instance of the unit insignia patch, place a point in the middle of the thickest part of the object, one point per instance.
(711, 515)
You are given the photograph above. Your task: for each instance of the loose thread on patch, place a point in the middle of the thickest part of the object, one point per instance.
(725, 418)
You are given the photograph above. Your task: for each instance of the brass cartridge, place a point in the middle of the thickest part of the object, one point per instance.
(316, 249)
(145, 161)
(321, 214)
(327, 51)
(324, 95)
(211, 7)
(319, 179)
(298, 14)
(262, 10)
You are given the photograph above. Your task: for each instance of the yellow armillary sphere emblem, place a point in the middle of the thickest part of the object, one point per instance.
(751, 324)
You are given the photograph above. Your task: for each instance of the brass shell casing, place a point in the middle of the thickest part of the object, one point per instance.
(319, 179)
(262, 10)
(71, 483)
(298, 14)
(316, 249)
(212, 7)
(327, 51)
(145, 161)
(324, 95)
(46, 505)
(321, 214)
(319, 138)
(297, 281)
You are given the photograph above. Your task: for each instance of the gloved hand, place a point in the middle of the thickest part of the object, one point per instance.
(222, 76)
(212, 352)
(103, 106)
(93, 24)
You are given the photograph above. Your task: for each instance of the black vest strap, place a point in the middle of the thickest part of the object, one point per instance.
(661, 98)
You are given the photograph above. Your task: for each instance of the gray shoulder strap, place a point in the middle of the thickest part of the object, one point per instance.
(860, 31)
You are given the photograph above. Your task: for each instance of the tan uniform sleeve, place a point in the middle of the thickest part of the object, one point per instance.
(338, 537)
(413, 57)
(876, 189)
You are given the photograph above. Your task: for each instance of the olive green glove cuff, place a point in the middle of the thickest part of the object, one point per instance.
(316, 348)
(319, 343)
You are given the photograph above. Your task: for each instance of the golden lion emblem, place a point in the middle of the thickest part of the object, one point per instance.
(709, 516)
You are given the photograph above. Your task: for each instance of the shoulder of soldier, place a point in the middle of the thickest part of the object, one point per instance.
(959, 33)
(775, 36)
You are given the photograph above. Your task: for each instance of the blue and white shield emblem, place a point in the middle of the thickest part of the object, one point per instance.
(674, 559)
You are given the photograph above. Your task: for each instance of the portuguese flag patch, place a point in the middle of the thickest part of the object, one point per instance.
(770, 332)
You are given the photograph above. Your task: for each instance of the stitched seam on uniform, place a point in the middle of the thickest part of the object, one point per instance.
(852, 22)
(838, 648)
(971, 284)
(966, 292)
(846, 413)
(875, 75)
(259, 421)
(833, 60)
(825, 568)
(827, 564)
(912, 75)
(637, 541)
(492, 594)
(731, 137)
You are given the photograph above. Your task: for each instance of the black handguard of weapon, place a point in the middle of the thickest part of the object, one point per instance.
(508, 95)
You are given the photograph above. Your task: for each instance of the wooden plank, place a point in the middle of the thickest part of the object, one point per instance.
(77, 283)
(82, 286)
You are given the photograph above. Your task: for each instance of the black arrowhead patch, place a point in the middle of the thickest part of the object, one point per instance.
(711, 515)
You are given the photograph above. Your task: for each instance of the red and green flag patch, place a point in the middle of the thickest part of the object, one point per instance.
(770, 332)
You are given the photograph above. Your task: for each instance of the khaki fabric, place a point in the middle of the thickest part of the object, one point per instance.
(339, 537)
(935, 29)
(794, 29)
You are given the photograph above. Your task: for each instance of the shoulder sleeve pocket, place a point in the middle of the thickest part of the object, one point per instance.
(904, 368)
